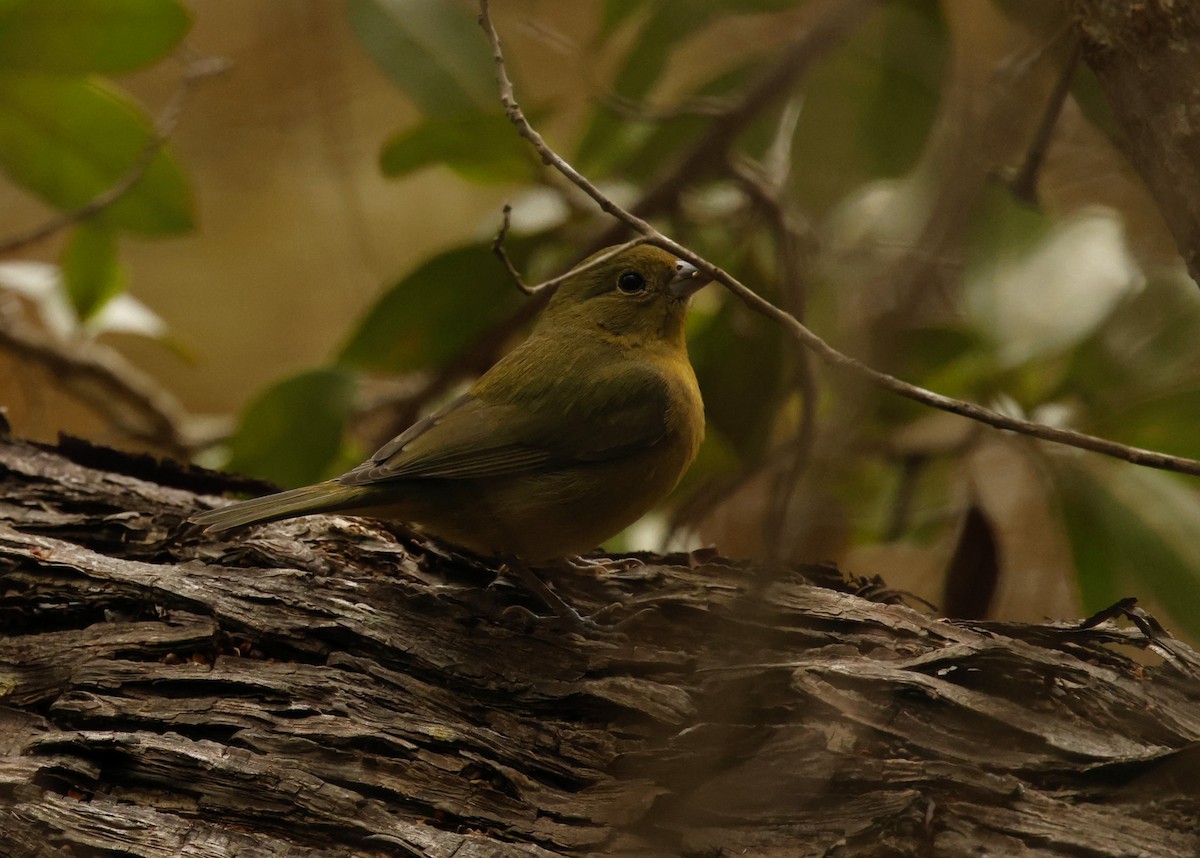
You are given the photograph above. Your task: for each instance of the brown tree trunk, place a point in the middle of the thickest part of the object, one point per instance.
(1146, 55)
(325, 687)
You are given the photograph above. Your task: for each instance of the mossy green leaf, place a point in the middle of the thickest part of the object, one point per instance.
(429, 316)
(292, 433)
(91, 270)
(70, 139)
(80, 36)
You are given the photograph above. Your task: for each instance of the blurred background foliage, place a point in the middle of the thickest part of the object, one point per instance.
(933, 186)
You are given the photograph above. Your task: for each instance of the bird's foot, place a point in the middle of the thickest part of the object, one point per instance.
(601, 564)
(565, 616)
(597, 624)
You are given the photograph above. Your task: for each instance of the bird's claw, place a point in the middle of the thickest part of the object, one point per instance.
(597, 624)
(597, 564)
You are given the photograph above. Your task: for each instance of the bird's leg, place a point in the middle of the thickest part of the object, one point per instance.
(567, 615)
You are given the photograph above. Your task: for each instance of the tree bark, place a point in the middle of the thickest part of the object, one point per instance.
(1147, 58)
(327, 686)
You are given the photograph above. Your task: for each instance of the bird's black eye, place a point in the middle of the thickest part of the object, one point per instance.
(630, 282)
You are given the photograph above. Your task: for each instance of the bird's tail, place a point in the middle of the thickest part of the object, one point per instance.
(322, 497)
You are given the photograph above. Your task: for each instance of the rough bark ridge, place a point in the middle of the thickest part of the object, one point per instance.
(325, 687)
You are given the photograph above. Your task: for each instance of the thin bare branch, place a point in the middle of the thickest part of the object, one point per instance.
(1024, 184)
(502, 253)
(830, 355)
(126, 397)
(551, 284)
(195, 71)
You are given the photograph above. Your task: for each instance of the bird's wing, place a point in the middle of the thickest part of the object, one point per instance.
(613, 413)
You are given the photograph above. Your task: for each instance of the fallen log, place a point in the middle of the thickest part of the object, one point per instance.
(333, 686)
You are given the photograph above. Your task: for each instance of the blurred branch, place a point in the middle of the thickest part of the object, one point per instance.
(812, 341)
(628, 108)
(196, 70)
(126, 397)
(1024, 184)
(766, 185)
(711, 150)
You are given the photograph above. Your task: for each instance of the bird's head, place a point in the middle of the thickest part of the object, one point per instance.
(639, 296)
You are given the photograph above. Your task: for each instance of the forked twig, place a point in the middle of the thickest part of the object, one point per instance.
(552, 283)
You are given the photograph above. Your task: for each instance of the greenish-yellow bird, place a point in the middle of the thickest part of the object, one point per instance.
(566, 440)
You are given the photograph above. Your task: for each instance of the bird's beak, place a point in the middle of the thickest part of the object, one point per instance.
(687, 280)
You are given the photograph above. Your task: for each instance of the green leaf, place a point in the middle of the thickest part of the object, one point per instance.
(434, 51)
(614, 14)
(292, 433)
(901, 104)
(70, 139)
(858, 123)
(1147, 346)
(479, 147)
(1089, 95)
(1164, 423)
(1132, 532)
(91, 269)
(432, 314)
(79, 36)
(1045, 18)
(1003, 226)
(667, 24)
(741, 397)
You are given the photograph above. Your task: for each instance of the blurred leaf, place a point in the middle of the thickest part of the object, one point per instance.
(665, 28)
(1086, 90)
(617, 11)
(608, 133)
(41, 284)
(1002, 226)
(614, 14)
(869, 74)
(1132, 530)
(1041, 17)
(1041, 301)
(1165, 423)
(951, 361)
(69, 139)
(901, 104)
(1096, 524)
(434, 51)
(79, 36)
(479, 147)
(91, 270)
(292, 432)
(715, 461)
(1147, 345)
(636, 149)
(432, 314)
(740, 360)
(929, 352)
(125, 314)
(974, 568)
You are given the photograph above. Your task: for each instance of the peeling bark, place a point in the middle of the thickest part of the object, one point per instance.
(327, 686)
